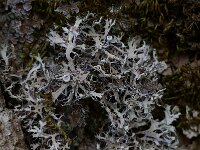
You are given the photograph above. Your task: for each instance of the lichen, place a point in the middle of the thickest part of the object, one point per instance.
(26, 26)
(92, 65)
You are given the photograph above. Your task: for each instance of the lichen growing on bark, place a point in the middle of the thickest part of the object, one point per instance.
(171, 31)
(92, 65)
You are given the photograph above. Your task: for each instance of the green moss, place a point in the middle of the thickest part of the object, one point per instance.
(182, 88)
(51, 122)
(176, 30)
(100, 7)
(46, 11)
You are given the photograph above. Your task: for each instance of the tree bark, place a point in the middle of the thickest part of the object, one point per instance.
(11, 135)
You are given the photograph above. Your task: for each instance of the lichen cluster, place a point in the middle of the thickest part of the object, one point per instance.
(74, 78)
(91, 64)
